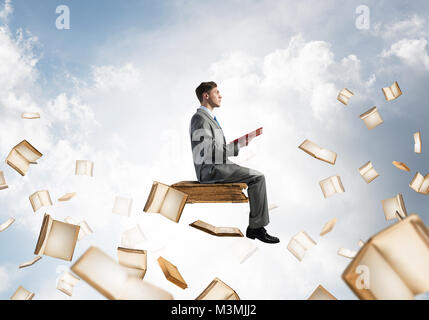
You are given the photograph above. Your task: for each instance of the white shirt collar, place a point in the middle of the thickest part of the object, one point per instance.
(208, 110)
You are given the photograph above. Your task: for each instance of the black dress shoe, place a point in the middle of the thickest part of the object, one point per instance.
(261, 234)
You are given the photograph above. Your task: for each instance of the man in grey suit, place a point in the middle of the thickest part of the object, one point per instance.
(210, 153)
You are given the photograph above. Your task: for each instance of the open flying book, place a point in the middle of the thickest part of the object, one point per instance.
(40, 199)
(244, 140)
(30, 263)
(6, 224)
(21, 156)
(3, 184)
(299, 244)
(217, 231)
(134, 260)
(84, 230)
(30, 115)
(166, 201)
(218, 290)
(371, 118)
(344, 96)
(368, 172)
(57, 239)
(417, 142)
(420, 184)
(328, 227)
(171, 273)
(400, 165)
(347, 253)
(22, 294)
(394, 206)
(320, 293)
(67, 282)
(392, 92)
(84, 167)
(122, 206)
(317, 152)
(331, 186)
(393, 264)
(111, 279)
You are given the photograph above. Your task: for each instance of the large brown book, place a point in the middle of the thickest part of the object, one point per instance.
(57, 239)
(166, 201)
(111, 279)
(218, 290)
(393, 264)
(172, 273)
(21, 156)
(317, 152)
(134, 260)
(217, 231)
(212, 192)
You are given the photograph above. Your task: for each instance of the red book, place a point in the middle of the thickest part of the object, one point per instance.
(248, 137)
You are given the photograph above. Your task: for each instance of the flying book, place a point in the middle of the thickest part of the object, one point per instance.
(394, 205)
(243, 249)
(30, 263)
(134, 260)
(400, 165)
(393, 264)
(21, 156)
(420, 184)
(40, 199)
(30, 115)
(392, 92)
(57, 239)
(67, 196)
(217, 231)
(328, 227)
(346, 253)
(417, 142)
(67, 282)
(368, 172)
(111, 279)
(371, 118)
(6, 224)
(317, 152)
(133, 238)
(344, 96)
(320, 293)
(3, 184)
(22, 294)
(84, 230)
(218, 290)
(84, 167)
(172, 273)
(244, 140)
(331, 186)
(299, 244)
(166, 201)
(122, 206)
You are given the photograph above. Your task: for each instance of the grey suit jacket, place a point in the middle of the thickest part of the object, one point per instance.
(209, 148)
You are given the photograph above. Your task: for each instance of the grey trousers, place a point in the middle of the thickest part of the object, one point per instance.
(257, 192)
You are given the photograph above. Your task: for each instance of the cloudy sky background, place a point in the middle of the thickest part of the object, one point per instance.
(118, 89)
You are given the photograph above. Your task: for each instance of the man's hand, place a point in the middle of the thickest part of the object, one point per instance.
(244, 141)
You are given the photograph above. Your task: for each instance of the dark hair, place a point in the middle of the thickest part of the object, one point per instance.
(204, 87)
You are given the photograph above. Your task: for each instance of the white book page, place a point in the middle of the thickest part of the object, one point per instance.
(27, 153)
(158, 198)
(310, 147)
(296, 249)
(417, 182)
(61, 240)
(171, 205)
(326, 155)
(19, 161)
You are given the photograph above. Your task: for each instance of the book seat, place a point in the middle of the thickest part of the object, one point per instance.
(212, 192)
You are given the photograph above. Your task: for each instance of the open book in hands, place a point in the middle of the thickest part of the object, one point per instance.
(244, 140)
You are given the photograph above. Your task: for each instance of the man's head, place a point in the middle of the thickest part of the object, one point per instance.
(208, 95)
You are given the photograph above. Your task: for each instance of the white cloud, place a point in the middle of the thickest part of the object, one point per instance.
(6, 11)
(411, 27)
(4, 279)
(126, 78)
(411, 51)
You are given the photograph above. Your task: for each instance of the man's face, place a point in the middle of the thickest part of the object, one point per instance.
(214, 98)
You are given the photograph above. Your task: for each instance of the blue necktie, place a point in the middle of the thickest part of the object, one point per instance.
(217, 122)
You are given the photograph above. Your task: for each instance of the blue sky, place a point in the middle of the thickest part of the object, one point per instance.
(118, 88)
